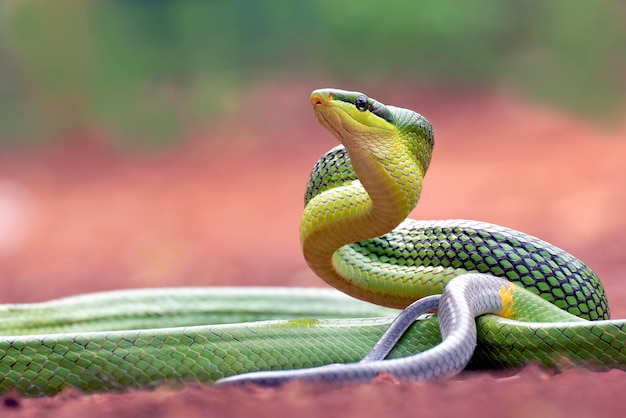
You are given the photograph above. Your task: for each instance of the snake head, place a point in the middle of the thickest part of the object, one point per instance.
(365, 125)
(352, 117)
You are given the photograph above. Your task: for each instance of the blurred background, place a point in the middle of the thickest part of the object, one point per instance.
(167, 143)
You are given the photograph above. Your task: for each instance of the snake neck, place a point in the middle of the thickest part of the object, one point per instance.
(373, 205)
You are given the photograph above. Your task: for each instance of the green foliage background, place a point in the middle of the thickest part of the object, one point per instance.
(147, 69)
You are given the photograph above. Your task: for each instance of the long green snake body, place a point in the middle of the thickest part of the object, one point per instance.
(354, 235)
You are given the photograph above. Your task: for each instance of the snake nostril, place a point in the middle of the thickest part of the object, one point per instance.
(316, 101)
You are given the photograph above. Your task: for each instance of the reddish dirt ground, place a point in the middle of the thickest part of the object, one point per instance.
(223, 209)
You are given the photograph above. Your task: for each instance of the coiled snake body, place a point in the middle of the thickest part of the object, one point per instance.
(552, 309)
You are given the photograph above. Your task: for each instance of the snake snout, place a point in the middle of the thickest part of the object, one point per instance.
(321, 97)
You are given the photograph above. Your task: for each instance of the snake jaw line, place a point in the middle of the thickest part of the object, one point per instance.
(349, 130)
(323, 120)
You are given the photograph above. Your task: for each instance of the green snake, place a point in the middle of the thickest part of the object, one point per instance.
(550, 307)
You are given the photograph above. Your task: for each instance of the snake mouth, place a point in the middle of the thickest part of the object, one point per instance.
(323, 120)
(316, 101)
(319, 98)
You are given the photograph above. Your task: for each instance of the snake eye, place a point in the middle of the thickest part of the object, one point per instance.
(361, 103)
